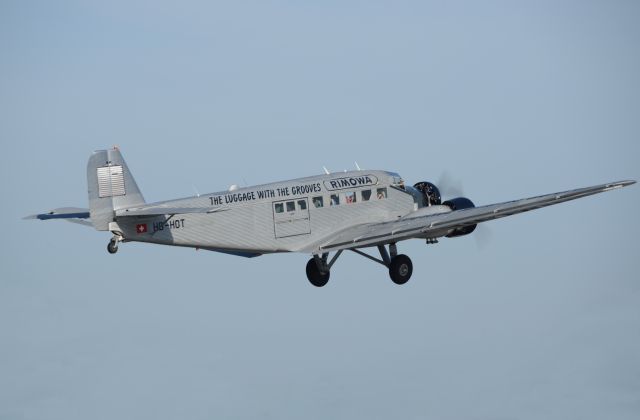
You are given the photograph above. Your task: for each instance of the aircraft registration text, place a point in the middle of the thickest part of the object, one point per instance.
(169, 224)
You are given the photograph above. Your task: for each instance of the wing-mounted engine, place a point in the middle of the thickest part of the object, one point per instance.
(460, 203)
(430, 193)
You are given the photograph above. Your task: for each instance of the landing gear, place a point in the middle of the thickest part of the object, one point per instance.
(400, 266)
(315, 276)
(400, 269)
(112, 247)
(318, 269)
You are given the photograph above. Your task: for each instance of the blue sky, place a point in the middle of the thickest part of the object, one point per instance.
(539, 317)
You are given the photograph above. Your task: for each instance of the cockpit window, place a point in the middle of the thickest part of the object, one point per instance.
(382, 193)
(398, 182)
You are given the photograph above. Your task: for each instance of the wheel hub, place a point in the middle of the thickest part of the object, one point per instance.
(404, 270)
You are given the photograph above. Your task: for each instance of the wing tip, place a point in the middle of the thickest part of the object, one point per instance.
(621, 184)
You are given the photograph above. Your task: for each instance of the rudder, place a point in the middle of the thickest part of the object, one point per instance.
(111, 187)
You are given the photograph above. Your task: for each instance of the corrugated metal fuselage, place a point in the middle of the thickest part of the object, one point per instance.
(277, 217)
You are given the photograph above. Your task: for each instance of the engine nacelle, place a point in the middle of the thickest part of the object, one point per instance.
(430, 192)
(460, 203)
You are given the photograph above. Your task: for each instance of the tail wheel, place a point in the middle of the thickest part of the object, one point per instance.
(112, 247)
(400, 269)
(314, 275)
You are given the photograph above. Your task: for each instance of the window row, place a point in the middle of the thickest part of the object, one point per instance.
(350, 197)
(290, 206)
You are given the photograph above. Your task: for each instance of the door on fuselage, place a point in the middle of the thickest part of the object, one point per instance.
(291, 217)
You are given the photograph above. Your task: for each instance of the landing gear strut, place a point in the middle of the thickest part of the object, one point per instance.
(399, 265)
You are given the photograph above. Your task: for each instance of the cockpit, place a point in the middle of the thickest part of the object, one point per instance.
(397, 182)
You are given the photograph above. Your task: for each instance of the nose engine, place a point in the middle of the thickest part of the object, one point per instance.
(430, 192)
(431, 197)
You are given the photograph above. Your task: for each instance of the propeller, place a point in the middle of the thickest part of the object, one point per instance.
(451, 187)
(482, 235)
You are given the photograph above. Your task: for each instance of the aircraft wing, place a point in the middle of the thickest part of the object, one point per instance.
(70, 214)
(435, 225)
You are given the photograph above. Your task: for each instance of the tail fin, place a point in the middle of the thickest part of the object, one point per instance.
(111, 187)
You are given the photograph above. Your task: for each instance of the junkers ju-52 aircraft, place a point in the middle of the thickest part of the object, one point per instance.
(317, 215)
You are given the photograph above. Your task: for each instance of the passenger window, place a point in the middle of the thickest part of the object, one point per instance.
(291, 206)
(382, 193)
(302, 204)
(317, 202)
(350, 197)
(335, 200)
(366, 195)
(279, 208)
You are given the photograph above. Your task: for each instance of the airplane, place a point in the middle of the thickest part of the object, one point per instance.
(317, 215)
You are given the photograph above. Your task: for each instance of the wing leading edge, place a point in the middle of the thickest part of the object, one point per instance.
(438, 224)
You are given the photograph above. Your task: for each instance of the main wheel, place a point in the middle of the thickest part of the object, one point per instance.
(112, 247)
(314, 275)
(400, 269)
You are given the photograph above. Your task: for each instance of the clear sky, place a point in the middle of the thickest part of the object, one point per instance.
(537, 316)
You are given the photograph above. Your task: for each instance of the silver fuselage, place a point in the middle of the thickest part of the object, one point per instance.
(276, 217)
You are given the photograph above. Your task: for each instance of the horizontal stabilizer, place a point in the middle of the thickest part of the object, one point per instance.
(70, 214)
(62, 213)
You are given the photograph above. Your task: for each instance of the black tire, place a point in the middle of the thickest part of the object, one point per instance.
(314, 275)
(400, 269)
(112, 247)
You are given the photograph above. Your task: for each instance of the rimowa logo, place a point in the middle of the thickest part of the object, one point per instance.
(350, 182)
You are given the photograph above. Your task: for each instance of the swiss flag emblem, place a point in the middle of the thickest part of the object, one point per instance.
(141, 228)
